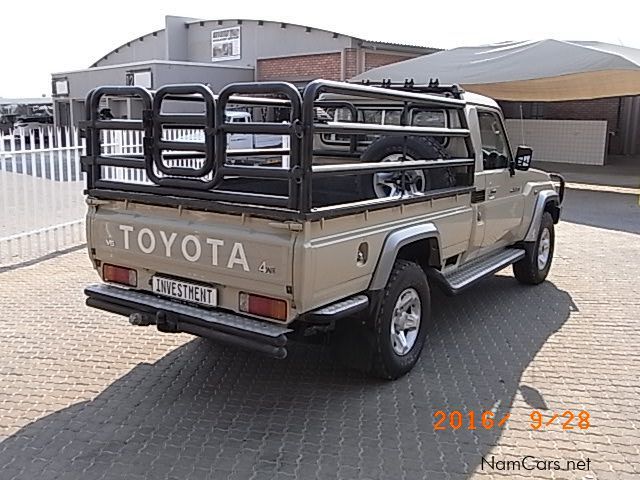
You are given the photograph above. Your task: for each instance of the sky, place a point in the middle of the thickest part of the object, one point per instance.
(39, 37)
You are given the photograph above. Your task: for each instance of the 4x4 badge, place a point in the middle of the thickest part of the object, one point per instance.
(264, 268)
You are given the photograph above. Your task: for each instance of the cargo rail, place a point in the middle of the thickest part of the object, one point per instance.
(213, 184)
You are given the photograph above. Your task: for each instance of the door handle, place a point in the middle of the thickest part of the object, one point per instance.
(493, 190)
(514, 189)
(492, 193)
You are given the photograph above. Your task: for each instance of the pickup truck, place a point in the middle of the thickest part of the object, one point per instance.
(239, 141)
(34, 127)
(344, 239)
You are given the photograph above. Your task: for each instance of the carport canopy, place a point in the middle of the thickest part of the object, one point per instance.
(529, 71)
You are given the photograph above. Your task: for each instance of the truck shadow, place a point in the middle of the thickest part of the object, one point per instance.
(205, 411)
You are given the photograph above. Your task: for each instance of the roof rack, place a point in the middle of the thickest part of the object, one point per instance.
(434, 86)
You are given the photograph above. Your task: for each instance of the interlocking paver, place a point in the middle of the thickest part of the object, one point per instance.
(83, 395)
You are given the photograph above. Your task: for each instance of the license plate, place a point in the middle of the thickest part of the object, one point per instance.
(189, 292)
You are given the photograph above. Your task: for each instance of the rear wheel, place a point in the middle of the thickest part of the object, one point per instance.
(401, 323)
(534, 267)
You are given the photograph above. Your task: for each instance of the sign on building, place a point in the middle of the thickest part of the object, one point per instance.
(140, 78)
(225, 44)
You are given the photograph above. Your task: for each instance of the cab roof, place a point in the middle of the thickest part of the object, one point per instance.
(478, 99)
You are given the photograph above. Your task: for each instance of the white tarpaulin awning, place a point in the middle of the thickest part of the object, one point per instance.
(545, 70)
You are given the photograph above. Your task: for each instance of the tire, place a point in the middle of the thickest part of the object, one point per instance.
(407, 284)
(414, 148)
(531, 270)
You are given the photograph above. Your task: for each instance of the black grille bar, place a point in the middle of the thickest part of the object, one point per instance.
(349, 128)
(201, 168)
(286, 90)
(396, 166)
(161, 120)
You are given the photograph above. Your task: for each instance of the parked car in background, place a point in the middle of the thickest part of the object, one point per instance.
(242, 141)
(6, 123)
(33, 127)
(238, 141)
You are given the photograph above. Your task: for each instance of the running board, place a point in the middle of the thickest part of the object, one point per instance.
(454, 281)
(344, 307)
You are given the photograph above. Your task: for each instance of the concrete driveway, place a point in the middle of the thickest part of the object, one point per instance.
(84, 395)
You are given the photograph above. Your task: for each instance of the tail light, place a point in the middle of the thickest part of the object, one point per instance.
(121, 275)
(263, 306)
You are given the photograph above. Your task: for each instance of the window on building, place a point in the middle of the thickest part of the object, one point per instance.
(533, 110)
(140, 78)
(61, 86)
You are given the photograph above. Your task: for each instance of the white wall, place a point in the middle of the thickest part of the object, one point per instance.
(569, 141)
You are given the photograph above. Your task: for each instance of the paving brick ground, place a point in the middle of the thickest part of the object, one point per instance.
(85, 396)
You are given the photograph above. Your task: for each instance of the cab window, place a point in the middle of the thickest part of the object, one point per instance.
(392, 117)
(372, 116)
(495, 150)
(343, 115)
(428, 118)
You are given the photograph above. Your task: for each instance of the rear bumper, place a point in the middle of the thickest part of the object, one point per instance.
(169, 316)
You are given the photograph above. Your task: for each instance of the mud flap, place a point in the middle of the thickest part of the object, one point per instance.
(352, 344)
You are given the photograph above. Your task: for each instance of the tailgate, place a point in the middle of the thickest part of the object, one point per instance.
(231, 252)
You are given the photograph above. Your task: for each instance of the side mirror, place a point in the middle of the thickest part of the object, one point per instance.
(523, 158)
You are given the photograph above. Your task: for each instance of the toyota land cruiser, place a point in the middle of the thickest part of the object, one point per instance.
(344, 234)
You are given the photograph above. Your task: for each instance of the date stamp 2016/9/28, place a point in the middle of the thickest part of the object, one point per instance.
(471, 420)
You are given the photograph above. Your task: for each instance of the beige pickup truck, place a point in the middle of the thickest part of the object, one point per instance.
(377, 195)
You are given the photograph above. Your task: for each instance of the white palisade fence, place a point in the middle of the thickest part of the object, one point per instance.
(42, 204)
(41, 200)
(129, 142)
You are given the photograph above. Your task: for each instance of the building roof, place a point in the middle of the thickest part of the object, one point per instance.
(365, 43)
(399, 46)
(362, 42)
(25, 101)
(145, 63)
(125, 45)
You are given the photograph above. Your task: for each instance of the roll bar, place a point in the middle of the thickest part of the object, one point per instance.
(205, 182)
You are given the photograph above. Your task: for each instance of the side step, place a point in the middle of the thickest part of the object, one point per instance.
(454, 281)
(343, 308)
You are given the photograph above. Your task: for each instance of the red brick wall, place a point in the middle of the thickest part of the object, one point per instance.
(599, 109)
(323, 65)
(374, 60)
(300, 67)
(350, 62)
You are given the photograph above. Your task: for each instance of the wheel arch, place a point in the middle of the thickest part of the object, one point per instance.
(418, 243)
(547, 201)
(553, 207)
